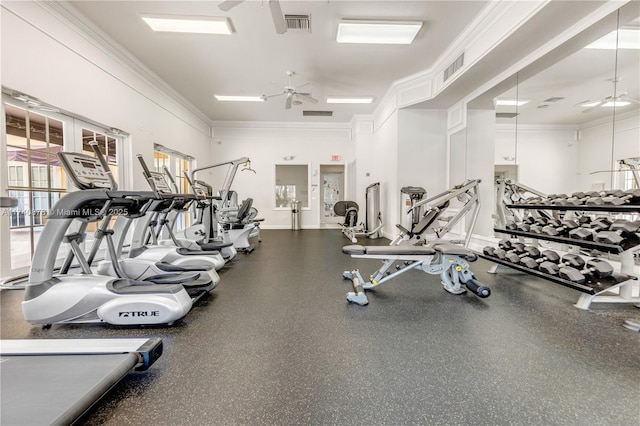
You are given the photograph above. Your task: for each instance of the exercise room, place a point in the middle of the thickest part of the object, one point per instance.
(320, 212)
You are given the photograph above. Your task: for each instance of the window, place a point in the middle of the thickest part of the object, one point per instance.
(176, 164)
(630, 173)
(292, 184)
(35, 176)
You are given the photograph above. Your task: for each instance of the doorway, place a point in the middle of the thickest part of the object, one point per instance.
(331, 191)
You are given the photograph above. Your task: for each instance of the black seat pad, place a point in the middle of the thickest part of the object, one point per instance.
(389, 250)
(454, 250)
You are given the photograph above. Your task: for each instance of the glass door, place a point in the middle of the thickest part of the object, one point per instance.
(331, 191)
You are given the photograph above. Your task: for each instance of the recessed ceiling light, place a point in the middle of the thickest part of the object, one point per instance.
(511, 102)
(626, 38)
(189, 24)
(615, 103)
(349, 100)
(377, 32)
(589, 104)
(234, 98)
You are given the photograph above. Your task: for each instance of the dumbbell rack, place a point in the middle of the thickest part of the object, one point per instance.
(594, 288)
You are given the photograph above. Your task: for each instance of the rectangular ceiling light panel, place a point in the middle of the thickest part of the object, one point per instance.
(234, 98)
(625, 38)
(377, 32)
(189, 24)
(349, 100)
(511, 102)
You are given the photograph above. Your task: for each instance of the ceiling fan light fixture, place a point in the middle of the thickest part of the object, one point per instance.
(349, 100)
(377, 32)
(189, 24)
(239, 98)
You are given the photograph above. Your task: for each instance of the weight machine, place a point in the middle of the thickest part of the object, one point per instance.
(373, 217)
(434, 207)
(217, 215)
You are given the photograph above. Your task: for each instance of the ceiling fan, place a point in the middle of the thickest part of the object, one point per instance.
(274, 6)
(293, 96)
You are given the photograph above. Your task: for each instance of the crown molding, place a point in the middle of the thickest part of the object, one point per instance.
(72, 19)
(278, 125)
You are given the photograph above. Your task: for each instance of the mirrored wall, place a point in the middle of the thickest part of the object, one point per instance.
(571, 121)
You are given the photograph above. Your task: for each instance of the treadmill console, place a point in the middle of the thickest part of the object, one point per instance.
(160, 183)
(85, 170)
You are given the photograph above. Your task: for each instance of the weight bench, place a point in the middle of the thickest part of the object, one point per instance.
(450, 261)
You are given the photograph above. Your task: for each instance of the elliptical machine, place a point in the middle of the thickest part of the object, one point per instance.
(197, 279)
(88, 297)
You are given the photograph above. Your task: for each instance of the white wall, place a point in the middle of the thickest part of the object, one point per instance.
(422, 151)
(546, 156)
(266, 144)
(45, 57)
(599, 149)
(385, 170)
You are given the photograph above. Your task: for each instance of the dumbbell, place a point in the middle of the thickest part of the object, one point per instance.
(537, 259)
(600, 224)
(635, 193)
(524, 227)
(553, 266)
(618, 231)
(566, 225)
(505, 247)
(522, 252)
(557, 199)
(510, 225)
(582, 233)
(594, 267)
(615, 197)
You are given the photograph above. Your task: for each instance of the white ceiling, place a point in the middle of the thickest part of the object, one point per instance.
(254, 60)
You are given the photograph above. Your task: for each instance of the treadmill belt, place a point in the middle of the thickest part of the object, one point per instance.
(56, 389)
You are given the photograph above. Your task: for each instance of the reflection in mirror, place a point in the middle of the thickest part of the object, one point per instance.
(577, 120)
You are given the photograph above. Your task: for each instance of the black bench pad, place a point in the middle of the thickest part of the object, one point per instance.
(389, 250)
(454, 250)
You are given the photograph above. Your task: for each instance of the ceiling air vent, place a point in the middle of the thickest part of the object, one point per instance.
(455, 66)
(298, 22)
(506, 114)
(554, 99)
(317, 113)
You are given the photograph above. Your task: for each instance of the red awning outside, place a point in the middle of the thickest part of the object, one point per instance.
(38, 156)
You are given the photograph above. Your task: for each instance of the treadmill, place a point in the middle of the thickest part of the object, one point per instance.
(56, 381)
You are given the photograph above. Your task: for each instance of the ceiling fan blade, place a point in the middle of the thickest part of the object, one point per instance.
(307, 97)
(289, 99)
(265, 97)
(277, 16)
(229, 4)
